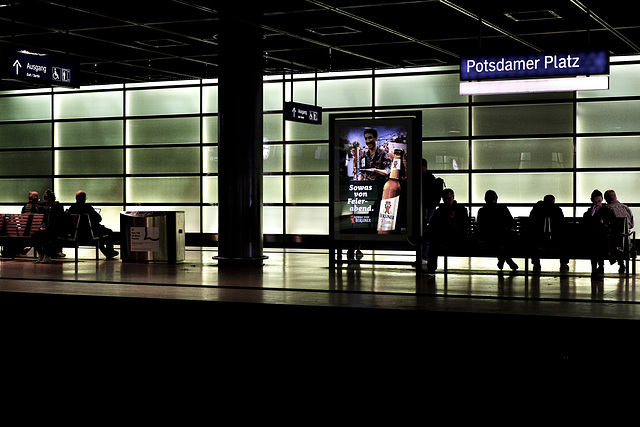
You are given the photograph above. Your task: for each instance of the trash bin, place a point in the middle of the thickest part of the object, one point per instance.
(153, 236)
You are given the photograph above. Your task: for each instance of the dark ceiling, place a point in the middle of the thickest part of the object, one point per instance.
(115, 41)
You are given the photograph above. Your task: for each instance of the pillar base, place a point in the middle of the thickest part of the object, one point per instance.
(240, 262)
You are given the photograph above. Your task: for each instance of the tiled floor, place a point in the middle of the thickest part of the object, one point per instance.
(296, 298)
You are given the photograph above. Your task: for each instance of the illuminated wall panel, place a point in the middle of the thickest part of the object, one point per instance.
(537, 119)
(210, 219)
(307, 189)
(272, 158)
(304, 132)
(25, 135)
(29, 107)
(418, 90)
(625, 184)
(155, 146)
(210, 159)
(89, 162)
(210, 99)
(163, 160)
(307, 158)
(210, 189)
(272, 219)
(272, 127)
(530, 153)
(272, 96)
(88, 133)
(623, 82)
(87, 105)
(99, 190)
(173, 130)
(15, 163)
(149, 102)
(172, 190)
(16, 190)
(347, 93)
(610, 117)
(523, 187)
(608, 152)
(272, 189)
(446, 155)
(307, 220)
(210, 129)
(445, 122)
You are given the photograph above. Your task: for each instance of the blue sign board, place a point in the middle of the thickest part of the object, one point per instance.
(534, 65)
(303, 113)
(41, 70)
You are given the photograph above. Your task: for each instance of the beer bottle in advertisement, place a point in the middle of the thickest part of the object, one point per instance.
(391, 196)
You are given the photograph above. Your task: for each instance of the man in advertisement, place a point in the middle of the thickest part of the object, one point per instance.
(376, 163)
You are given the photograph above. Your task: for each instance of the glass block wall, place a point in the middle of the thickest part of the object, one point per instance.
(154, 146)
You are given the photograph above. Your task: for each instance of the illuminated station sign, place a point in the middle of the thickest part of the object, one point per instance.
(535, 65)
(540, 72)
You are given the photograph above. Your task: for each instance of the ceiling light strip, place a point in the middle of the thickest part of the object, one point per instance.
(605, 24)
(380, 27)
(490, 25)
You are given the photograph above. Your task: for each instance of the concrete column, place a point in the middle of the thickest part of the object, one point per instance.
(240, 237)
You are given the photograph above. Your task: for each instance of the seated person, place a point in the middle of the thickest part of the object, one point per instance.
(54, 225)
(546, 218)
(105, 234)
(36, 208)
(32, 205)
(496, 228)
(597, 222)
(449, 223)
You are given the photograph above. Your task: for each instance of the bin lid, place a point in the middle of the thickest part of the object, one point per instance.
(145, 214)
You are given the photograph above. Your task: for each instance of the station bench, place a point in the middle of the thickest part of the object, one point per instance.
(566, 241)
(17, 230)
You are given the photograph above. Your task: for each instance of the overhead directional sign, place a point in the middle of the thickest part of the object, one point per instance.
(303, 113)
(42, 70)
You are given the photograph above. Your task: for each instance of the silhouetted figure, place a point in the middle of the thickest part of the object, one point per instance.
(496, 228)
(106, 235)
(449, 226)
(597, 222)
(547, 228)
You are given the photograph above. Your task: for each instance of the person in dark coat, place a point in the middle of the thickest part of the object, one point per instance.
(597, 222)
(55, 224)
(546, 228)
(496, 228)
(106, 235)
(449, 225)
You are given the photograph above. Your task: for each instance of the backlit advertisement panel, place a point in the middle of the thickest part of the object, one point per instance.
(373, 178)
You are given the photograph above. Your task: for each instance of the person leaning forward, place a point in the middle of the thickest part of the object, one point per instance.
(106, 235)
(449, 225)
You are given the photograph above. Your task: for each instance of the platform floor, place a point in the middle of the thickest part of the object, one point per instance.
(296, 307)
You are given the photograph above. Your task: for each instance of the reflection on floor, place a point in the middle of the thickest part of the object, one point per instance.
(295, 301)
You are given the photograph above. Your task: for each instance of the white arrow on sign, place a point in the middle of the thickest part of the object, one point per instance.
(17, 65)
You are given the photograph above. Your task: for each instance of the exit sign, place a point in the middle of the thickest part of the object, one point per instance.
(41, 70)
(303, 113)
